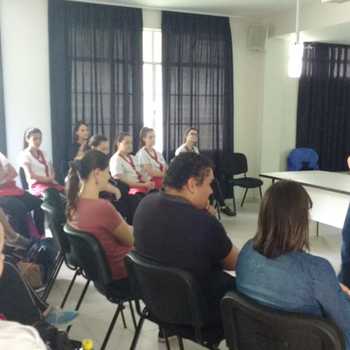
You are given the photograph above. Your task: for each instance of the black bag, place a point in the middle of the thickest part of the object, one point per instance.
(55, 339)
(44, 253)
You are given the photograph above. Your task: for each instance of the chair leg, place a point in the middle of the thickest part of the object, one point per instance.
(123, 318)
(137, 333)
(218, 210)
(80, 301)
(111, 326)
(234, 200)
(133, 314)
(52, 278)
(166, 340)
(181, 343)
(69, 289)
(260, 191)
(245, 194)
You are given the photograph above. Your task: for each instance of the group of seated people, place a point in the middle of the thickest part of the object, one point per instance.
(177, 226)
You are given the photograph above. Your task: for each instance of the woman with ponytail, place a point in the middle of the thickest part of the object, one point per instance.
(88, 177)
(38, 170)
(152, 163)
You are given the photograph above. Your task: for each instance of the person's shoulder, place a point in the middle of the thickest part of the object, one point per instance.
(179, 149)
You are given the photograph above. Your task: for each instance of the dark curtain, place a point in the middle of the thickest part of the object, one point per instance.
(59, 87)
(3, 148)
(95, 72)
(197, 80)
(105, 64)
(323, 120)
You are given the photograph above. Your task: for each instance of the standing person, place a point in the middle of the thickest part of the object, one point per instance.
(190, 145)
(276, 269)
(16, 202)
(81, 135)
(38, 169)
(152, 163)
(87, 177)
(175, 227)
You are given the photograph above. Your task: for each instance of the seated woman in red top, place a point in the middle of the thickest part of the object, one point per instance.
(88, 177)
(37, 167)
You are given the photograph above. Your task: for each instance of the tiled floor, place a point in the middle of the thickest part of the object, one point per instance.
(96, 312)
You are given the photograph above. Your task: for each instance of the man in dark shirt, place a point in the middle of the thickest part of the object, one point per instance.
(177, 228)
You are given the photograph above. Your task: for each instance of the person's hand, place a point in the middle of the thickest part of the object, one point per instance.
(150, 185)
(117, 193)
(210, 209)
(345, 289)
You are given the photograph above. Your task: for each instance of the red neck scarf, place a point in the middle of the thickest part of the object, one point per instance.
(154, 156)
(41, 159)
(129, 160)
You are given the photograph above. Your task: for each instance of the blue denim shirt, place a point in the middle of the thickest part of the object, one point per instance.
(297, 282)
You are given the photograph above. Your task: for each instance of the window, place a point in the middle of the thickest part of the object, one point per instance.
(152, 83)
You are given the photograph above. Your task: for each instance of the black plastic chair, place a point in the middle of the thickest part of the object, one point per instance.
(250, 326)
(172, 300)
(54, 207)
(236, 164)
(92, 260)
(23, 179)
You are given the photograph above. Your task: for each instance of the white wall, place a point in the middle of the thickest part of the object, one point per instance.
(24, 39)
(279, 108)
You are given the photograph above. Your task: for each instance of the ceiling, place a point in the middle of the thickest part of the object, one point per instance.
(256, 8)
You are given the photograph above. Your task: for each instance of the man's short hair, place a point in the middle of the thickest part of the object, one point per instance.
(185, 166)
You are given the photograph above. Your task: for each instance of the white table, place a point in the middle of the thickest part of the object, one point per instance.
(329, 191)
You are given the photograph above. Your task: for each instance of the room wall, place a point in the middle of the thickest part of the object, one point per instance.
(278, 127)
(24, 40)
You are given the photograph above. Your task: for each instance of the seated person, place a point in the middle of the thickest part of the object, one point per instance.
(190, 145)
(39, 171)
(79, 145)
(16, 202)
(276, 269)
(19, 303)
(344, 274)
(152, 163)
(174, 228)
(87, 177)
(123, 166)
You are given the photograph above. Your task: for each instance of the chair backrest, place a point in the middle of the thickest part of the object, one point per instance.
(171, 295)
(235, 164)
(302, 159)
(22, 177)
(53, 205)
(250, 326)
(90, 256)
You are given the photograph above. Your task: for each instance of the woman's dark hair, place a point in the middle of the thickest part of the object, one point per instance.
(143, 133)
(120, 138)
(80, 169)
(28, 133)
(185, 166)
(96, 140)
(283, 224)
(187, 131)
(76, 128)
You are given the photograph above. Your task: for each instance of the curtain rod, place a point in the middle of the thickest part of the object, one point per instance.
(106, 2)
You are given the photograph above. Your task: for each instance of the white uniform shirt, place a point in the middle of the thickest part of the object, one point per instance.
(3, 164)
(119, 167)
(144, 158)
(183, 149)
(15, 336)
(37, 167)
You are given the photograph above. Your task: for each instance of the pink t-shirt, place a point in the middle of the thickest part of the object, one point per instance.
(99, 218)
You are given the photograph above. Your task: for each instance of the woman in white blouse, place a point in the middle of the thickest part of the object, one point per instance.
(151, 162)
(38, 170)
(123, 166)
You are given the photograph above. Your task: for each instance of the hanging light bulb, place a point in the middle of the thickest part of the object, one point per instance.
(295, 62)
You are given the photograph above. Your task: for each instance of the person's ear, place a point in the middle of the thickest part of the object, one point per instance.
(191, 185)
(97, 176)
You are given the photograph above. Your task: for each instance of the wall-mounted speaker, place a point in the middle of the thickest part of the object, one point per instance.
(256, 37)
